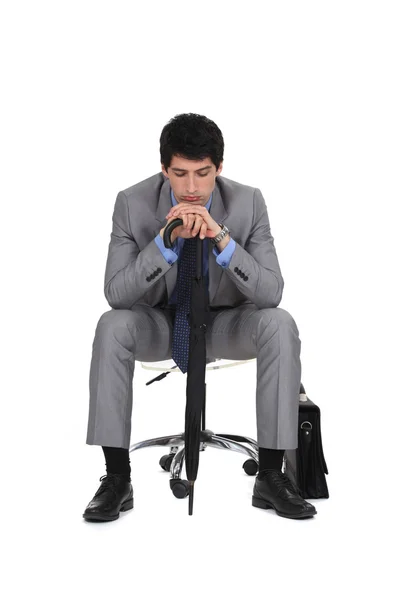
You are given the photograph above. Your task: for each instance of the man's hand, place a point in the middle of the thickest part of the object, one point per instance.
(195, 219)
(181, 231)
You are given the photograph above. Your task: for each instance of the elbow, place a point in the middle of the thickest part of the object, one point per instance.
(115, 292)
(269, 300)
(279, 293)
(113, 298)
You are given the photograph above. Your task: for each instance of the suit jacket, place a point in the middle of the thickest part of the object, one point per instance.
(137, 272)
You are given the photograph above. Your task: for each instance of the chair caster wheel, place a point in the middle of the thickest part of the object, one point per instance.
(179, 487)
(250, 467)
(166, 461)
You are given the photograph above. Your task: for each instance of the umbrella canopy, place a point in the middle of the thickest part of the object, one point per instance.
(199, 319)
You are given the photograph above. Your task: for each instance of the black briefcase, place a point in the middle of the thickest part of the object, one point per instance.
(306, 465)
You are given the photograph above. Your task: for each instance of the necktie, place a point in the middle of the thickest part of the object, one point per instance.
(181, 332)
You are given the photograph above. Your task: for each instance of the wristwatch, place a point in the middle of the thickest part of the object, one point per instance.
(221, 235)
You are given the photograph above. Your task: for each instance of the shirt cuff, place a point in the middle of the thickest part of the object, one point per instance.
(169, 255)
(224, 257)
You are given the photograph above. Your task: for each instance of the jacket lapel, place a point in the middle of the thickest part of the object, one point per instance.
(163, 208)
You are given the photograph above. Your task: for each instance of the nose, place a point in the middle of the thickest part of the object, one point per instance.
(191, 186)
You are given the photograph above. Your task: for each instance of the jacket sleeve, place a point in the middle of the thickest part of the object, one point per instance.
(255, 268)
(130, 272)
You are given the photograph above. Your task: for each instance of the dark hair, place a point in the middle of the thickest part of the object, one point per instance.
(193, 137)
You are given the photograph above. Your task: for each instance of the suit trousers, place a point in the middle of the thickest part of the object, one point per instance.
(144, 333)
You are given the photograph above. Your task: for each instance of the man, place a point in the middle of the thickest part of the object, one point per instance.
(146, 287)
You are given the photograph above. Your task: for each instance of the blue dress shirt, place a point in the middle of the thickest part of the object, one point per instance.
(171, 255)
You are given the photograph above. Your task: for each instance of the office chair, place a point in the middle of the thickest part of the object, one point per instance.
(173, 462)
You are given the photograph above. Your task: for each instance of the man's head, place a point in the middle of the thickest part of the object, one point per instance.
(192, 152)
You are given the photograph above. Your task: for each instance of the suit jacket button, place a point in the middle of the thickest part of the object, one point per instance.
(148, 278)
(236, 270)
(159, 270)
(245, 278)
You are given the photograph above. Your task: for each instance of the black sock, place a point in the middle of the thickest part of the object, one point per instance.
(117, 461)
(270, 459)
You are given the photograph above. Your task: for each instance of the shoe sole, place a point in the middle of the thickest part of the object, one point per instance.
(261, 503)
(127, 505)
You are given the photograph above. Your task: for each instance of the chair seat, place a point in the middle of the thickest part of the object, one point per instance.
(216, 363)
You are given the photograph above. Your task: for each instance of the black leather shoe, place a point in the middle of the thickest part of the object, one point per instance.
(274, 489)
(114, 495)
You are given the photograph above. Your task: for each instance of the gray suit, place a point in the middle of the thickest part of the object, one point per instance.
(244, 299)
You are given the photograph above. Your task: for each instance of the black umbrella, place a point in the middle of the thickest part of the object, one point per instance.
(199, 319)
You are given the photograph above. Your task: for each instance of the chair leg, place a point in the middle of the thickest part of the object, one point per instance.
(177, 464)
(168, 440)
(218, 441)
(239, 438)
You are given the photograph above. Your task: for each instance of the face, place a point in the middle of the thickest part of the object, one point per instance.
(192, 178)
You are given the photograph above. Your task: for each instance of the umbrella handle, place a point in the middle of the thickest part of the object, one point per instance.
(199, 248)
(168, 230)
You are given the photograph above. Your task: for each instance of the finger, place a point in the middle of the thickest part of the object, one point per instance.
(193, 209)
(187, 208)
(197, 224)
(203, 230)
(205, 215)
(171, 218)
(189, 221)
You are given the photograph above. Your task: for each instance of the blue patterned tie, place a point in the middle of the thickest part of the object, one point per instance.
(181, 333)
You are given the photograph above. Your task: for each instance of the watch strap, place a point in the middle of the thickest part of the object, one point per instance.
(221, 234)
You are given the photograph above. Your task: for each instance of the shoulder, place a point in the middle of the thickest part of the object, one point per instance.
(239, 196)
(232, 188)
(143, 197)
(150, 185)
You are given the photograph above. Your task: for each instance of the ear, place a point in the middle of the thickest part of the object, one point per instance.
(163, 170)
(219, 169)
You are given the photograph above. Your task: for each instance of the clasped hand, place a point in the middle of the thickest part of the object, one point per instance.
(196, 220)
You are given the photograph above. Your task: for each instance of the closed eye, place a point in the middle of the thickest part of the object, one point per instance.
(200, 175)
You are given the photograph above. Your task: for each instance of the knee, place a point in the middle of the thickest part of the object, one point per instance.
(284, 318)
(116, 317)
(117, 323)
(278, 317)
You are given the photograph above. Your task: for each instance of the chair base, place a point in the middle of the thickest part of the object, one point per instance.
(207, 438)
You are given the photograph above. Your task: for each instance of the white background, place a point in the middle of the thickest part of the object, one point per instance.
(307, 97)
